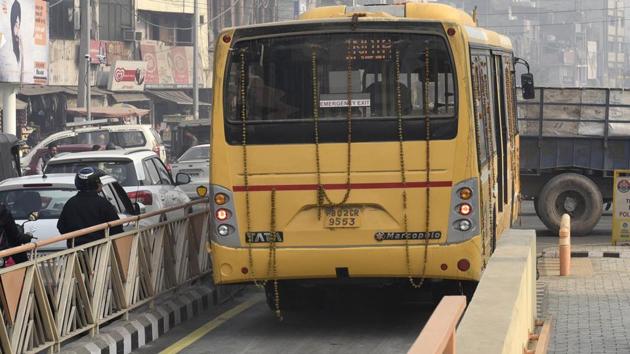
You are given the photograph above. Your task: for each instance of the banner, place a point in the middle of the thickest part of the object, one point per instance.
(24, 41)
(127, 75)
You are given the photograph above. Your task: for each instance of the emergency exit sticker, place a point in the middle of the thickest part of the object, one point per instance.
(621, 207)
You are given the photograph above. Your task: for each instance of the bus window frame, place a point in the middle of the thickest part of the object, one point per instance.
(343, 27)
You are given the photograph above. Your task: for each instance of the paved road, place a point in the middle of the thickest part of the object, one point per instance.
(362, 321)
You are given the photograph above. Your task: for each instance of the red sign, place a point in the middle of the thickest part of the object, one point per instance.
(98, 52)
(179, 65)
(148, 55)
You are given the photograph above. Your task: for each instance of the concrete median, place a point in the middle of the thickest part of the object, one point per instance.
(501, 315)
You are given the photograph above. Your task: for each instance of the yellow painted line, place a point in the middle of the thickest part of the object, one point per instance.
(216, 322)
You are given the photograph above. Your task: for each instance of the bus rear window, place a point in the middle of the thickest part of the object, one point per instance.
(288, 81)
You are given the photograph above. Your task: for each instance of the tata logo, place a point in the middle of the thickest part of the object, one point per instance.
(264, 237)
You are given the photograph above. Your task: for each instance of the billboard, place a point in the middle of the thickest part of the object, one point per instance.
(127, 75)
(24, 41)
(167, 66)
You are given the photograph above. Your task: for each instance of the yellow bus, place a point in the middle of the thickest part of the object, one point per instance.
(362, 142)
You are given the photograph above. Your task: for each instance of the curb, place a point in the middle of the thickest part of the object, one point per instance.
(590, 254)
(143, 327)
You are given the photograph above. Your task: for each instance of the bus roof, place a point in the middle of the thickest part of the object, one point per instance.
(410, 11)
(414, 11)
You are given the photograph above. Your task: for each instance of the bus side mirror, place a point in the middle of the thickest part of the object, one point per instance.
(527, 83)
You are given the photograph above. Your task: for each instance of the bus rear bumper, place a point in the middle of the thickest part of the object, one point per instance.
(233, 265)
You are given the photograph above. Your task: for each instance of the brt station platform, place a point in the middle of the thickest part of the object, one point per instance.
(149, 290)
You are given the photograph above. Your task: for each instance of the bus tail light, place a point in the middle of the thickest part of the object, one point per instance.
(144, 197)
(225, 221)
(463, 225)
(464, 211)
(222, 214)
(220, 198)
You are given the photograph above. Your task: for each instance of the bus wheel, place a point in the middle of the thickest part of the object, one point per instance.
(575, 195)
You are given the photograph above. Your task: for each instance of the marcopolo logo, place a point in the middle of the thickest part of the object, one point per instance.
(623, 186)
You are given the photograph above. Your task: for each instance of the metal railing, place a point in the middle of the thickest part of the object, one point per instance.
(56, 296)
(438, 335)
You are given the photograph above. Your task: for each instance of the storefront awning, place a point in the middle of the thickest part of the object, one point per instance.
(175, 96)
(129, 97)
(37, 90)
(109, 112)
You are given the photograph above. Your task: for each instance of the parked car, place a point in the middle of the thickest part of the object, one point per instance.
(31, 169)
(195, 162)
(125, 136)
(140, 172)
(46, 195)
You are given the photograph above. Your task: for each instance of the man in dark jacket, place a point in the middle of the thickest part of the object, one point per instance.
(11, 236)
(87, 208)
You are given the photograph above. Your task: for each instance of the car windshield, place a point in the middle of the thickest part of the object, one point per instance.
(123, 171)
(48, 203)
(195, 153)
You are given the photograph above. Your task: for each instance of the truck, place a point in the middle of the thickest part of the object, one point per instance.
(571, 141)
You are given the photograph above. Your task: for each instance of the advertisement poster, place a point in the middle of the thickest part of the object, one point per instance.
(621, 207)
(24, 41)
(127, 75)
(167, 66)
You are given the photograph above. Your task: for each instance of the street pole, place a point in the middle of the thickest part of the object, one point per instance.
(8, 91)
(88, 89)
(196, 61)
(84, 49)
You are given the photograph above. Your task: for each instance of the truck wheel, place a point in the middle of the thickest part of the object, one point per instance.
(575, 195)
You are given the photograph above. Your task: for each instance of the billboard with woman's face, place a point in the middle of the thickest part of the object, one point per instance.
(24, 41)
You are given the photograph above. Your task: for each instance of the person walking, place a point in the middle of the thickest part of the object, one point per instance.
(11, 236)
(87, 208)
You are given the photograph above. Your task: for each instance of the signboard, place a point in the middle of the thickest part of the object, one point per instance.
(24, 41)
(98, 52)
(621, 207)
(127, 75)
(168, 67)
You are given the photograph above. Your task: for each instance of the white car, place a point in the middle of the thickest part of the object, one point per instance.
(46, 195)
(140, 172)
(125, 136)
(195, 162)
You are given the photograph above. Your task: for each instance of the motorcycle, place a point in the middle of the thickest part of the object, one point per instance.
(9, 261)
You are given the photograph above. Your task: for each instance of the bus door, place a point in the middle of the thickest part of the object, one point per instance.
(484, 127)
(501, 133)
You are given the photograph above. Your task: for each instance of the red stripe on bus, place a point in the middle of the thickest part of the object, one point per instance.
(333, 186)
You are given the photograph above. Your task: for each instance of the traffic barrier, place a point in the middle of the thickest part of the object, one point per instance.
(59, 295)
(564, 245)
(438, 335)
(501, 314)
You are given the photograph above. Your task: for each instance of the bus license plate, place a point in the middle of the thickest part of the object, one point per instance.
(342, 217)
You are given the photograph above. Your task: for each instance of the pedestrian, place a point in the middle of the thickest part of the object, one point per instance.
(87, 208)
(11, 236)
(43, 161)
